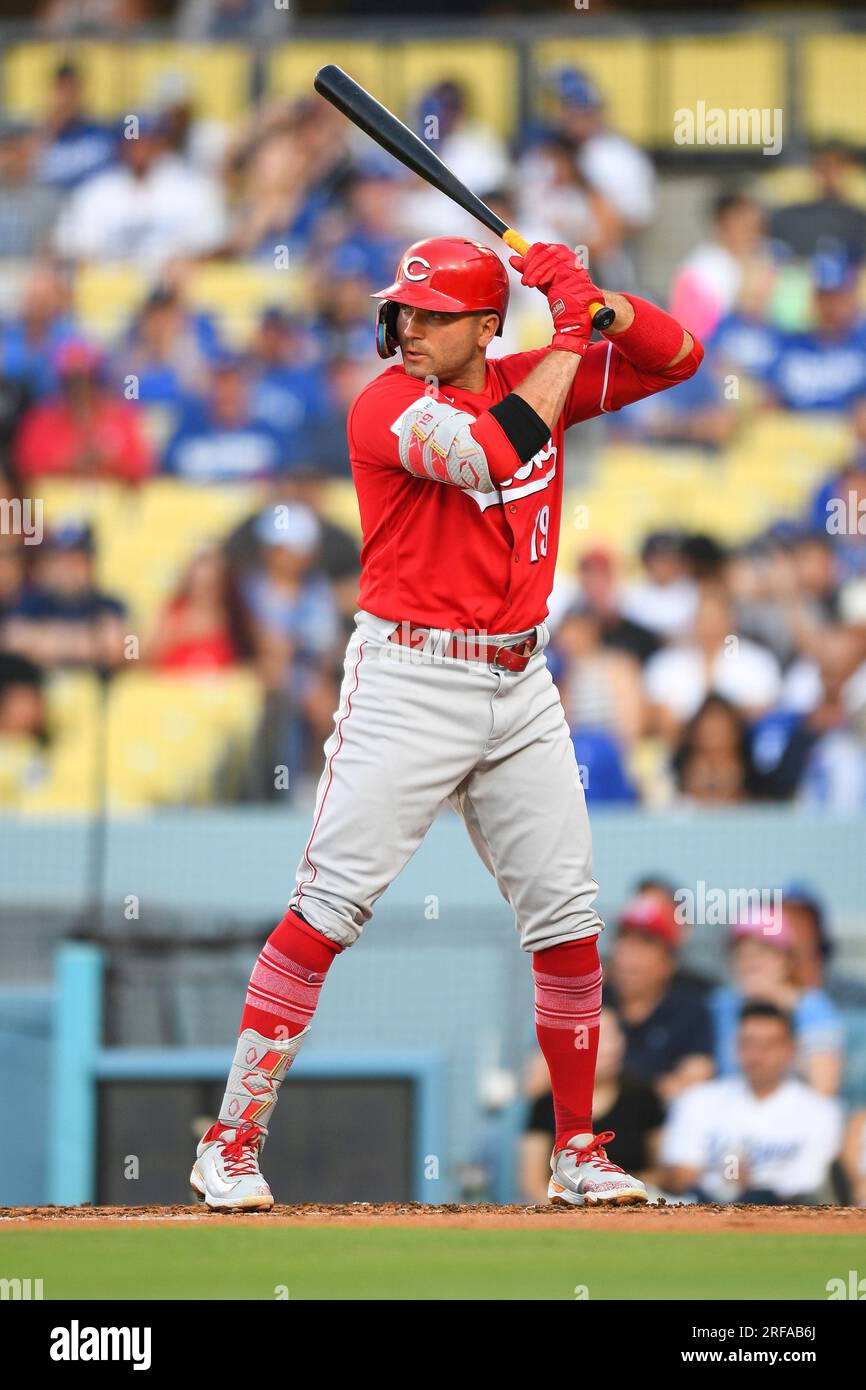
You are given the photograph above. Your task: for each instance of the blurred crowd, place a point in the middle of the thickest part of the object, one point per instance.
(731, 1091)
(697, 671)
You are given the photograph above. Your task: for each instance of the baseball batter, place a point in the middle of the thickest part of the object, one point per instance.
(458, 466)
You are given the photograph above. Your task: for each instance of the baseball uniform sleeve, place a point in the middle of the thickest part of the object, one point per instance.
(607, 378)
(395, 424)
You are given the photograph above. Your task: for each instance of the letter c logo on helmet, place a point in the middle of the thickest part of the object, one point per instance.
(408, 274)
(451, 275)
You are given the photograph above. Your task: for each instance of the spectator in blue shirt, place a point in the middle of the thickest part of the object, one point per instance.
(296, 634)
(762, 966)
(220, 439)
(371, 245)
(287, 388)
(168, 350)
(74, 146)
(31, 338)
(825, 367)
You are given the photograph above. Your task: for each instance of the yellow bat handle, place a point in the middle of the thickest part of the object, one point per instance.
(517, 242)
(602, 316)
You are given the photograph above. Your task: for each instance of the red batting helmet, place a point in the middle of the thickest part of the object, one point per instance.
(448, 273)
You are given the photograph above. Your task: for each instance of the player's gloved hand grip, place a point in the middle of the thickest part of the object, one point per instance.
(601, 314)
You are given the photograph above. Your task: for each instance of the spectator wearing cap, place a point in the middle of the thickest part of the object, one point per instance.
(220, 439)
(714, 660)
(296, 631)
(168, 350)
(85, 430)
(288, 389)
(150, 208)
(595, 585)
(337, 553)
(73, 146)
(824, 368)
(622, 1103)
(611, 165)
(665, 601)
(758, 1135)
(62, 618)
(667, 1026)
(204, 626)
(708, 284)
(761, 963)
(660, 887)
(472, 150)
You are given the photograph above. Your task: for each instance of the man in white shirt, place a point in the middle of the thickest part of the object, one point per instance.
(150, 207)
(610, 163)
(715, 659)
(761, 1136)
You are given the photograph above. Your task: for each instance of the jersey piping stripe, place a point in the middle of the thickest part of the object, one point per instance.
(606, 375)
(312, 878)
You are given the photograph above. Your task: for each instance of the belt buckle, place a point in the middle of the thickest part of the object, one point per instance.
(516, 653)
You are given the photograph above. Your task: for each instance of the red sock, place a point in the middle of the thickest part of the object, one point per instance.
(567, 1008)
(287, 978)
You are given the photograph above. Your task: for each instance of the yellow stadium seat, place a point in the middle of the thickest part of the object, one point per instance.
(831, 69)
(170, 736)
(795, 183)
(237, 294)
(106, 297)
(487, 71)
(623, 69)
(730, 72)
(292, 66)
(340, 505)
(218, 75)
(75, 704)
(28, 69)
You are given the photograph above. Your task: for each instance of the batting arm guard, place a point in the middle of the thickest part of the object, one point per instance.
(436, 442)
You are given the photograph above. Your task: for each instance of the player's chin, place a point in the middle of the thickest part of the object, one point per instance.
(416, 364)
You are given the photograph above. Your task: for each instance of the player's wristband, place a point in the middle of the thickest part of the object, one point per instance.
(525, 430)
(569, 340)
(652, 339)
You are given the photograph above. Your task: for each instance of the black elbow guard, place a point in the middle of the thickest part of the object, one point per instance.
(526, 431)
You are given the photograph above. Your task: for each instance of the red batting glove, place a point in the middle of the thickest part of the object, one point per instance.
(558, 273)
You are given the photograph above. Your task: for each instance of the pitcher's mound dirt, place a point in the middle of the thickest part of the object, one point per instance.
(668, 1217)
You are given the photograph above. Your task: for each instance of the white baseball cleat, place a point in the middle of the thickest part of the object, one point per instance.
(582, 1175)
(226, 1173)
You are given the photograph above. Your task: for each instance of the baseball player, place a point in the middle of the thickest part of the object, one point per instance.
(458, 465)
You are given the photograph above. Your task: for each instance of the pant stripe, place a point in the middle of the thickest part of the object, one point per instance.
(306, 883)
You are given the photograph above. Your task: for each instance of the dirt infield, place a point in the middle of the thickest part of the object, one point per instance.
(661, 1217)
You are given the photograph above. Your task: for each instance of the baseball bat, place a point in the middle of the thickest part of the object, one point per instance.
(382, 125)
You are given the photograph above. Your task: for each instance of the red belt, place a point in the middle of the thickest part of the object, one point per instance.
(466, 646)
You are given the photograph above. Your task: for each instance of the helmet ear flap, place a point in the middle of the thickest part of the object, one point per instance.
(386, 328)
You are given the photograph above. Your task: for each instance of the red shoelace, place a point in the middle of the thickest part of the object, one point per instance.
(595, 1153)
(241, 1155)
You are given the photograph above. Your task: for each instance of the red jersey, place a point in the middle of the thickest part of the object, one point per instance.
(445, 556)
